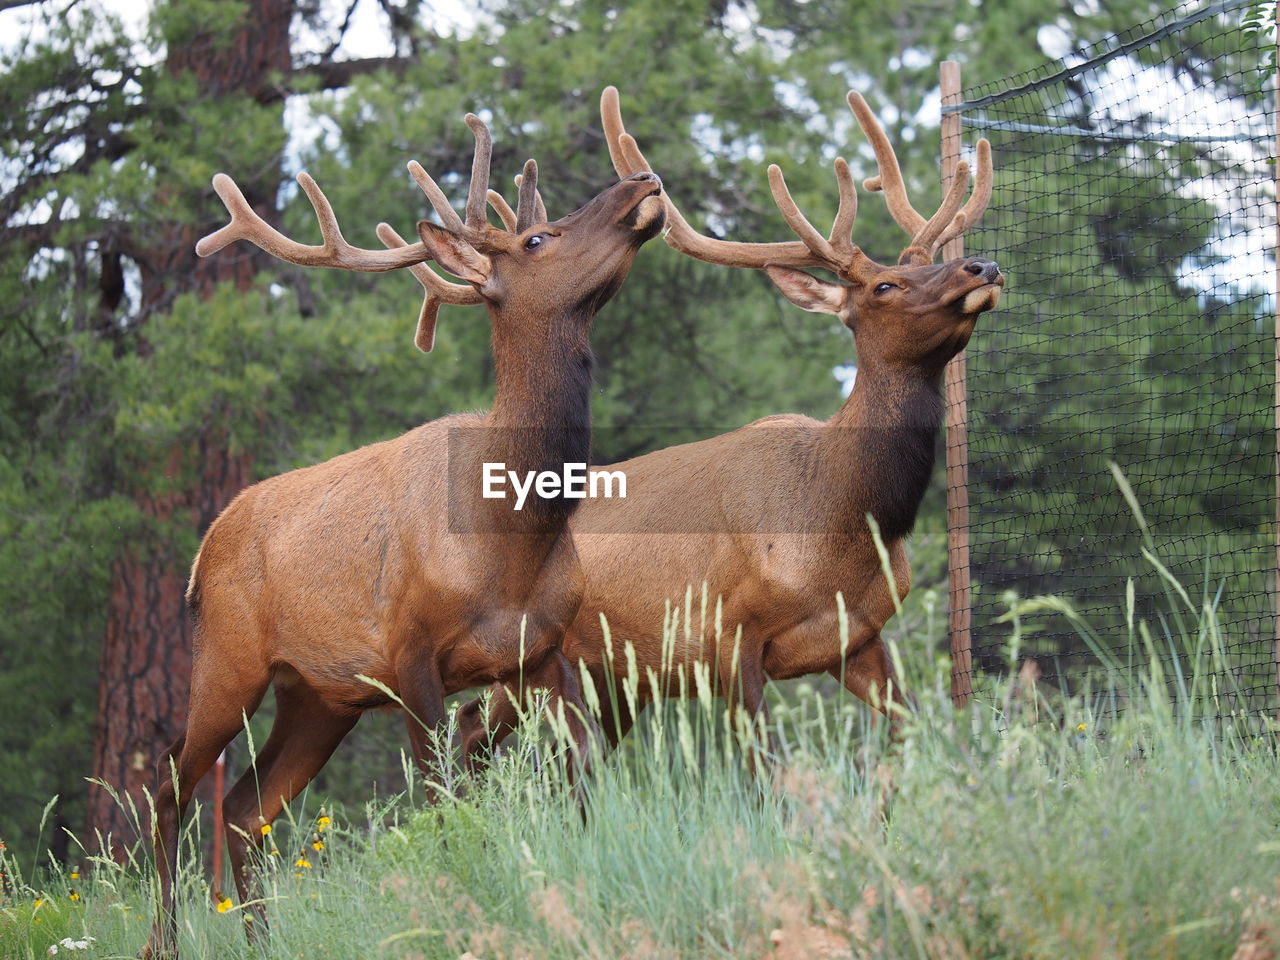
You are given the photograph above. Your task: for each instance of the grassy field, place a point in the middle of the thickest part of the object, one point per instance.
(1027, 825)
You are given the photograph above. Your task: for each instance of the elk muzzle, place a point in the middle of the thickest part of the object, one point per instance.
(649, 215)
(985, 295)
(988, 270)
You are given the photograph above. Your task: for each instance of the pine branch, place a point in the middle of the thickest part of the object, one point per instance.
(334, 74)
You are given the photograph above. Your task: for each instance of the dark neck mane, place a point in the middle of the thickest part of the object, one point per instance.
(541, 416)
(879, 451)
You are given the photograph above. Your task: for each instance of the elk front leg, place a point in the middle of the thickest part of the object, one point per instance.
(742, 680)
(869, 675)
(482, 728)
(422, 693)
(482, 732)
(557, 675)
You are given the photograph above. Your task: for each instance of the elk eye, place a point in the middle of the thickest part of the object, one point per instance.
(882, 288)
(535, 241)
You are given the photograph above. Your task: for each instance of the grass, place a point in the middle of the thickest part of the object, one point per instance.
(1029, 824)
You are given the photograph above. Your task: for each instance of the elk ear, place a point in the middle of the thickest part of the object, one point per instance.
(454, 254)
(806, 292)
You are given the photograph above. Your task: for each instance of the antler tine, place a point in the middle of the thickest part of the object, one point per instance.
(611, 121)
(628, 160)
(476, 196)
(978, 201)
(529, 207)
(437, 291)
(927, 238)
(847, 213)
(507, 215)
(796, 220)
(333, 252)
(890, 178)
(439, 202)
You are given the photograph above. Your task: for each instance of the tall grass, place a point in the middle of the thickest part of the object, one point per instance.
(1030, 824)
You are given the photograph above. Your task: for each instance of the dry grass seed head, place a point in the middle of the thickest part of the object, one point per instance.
(1260, 939)
(551, 907)
(640, 943)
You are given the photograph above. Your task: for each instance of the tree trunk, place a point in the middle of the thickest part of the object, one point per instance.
(145, 665)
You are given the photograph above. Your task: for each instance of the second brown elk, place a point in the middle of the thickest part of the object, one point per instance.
(772, 518)
(386, 563)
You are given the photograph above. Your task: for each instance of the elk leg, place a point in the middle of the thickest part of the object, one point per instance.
(869, 675)
(557, 675)
(422, 692)
(743, 689)
(215, 716)
(303, 737)
(743, 692)
(482, 731)
(616, 717)
(568, 692)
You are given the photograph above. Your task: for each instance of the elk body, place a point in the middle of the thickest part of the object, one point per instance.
(375, 563)
(772, 517)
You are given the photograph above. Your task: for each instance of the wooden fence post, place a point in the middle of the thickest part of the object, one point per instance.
(957, 434)
(1276, 174)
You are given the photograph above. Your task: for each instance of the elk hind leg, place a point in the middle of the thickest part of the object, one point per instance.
(215, 714)
(303, 737)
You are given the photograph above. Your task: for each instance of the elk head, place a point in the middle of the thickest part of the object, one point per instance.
(915, 313)
(526, 272)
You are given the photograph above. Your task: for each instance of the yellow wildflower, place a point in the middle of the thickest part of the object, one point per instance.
(303, 862)
(224, 904)
(73, 895)
(318, 845)
(75, 874)
(1081, 727)
(265, 829)
(323, 823)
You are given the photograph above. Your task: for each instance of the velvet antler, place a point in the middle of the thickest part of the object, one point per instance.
(836, 252)
(335, 251)
(951, 220)
(812, 250)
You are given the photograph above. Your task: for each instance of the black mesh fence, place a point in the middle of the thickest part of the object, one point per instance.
(1134, 215)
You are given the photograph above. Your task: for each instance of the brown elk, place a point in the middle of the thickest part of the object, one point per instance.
(772, 517)
(381, 563)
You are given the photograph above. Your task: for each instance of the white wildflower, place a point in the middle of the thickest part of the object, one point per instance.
(66, 943)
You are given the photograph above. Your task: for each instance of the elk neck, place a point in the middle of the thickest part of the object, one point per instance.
(878, 451)
(541, 413)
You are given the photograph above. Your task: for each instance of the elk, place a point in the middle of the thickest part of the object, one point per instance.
(385, 563)
(771, 518)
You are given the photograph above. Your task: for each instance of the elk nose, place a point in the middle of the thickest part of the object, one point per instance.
(645, 176)
(988, 270)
